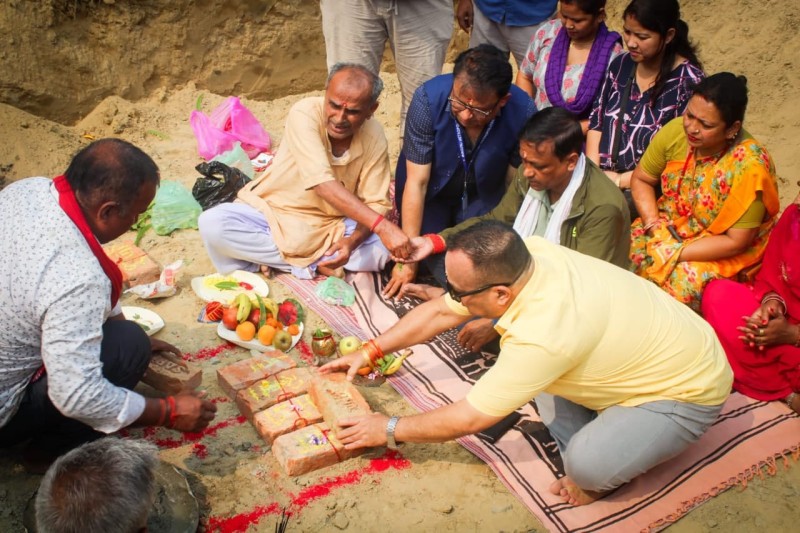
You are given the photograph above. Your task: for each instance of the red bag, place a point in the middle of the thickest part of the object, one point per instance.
(228, 123)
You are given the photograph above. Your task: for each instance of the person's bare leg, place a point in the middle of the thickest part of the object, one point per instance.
(420, 290)
(572, 493)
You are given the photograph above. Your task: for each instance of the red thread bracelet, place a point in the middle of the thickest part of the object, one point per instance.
(375, 224)
(438, 242)
(172, 411)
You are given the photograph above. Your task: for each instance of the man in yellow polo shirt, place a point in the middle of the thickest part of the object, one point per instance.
(624, 377)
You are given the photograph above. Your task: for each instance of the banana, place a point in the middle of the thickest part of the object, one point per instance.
(395, 365)
(244, 307)
(271, 306)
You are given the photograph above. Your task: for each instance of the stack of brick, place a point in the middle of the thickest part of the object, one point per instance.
(136, 266)
(243, 374)
(317, 446)
(302, 428)
(267, 392)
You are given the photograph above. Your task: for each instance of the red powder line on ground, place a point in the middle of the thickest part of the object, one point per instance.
(305, 352)
(199, 450)
(208, 353)
(239, 523)
(186, 438)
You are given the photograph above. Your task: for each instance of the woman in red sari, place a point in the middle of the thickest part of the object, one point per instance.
(759, 324)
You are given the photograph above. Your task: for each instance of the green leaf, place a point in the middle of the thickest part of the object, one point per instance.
(226, 285)
(198, 105)
(262, 317)
(160, 135)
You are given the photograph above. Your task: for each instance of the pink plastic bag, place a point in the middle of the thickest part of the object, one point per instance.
(228, 123)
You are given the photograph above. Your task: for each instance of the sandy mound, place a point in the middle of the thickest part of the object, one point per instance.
(137, 70)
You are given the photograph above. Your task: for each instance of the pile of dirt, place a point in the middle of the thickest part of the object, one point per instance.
(74, 70)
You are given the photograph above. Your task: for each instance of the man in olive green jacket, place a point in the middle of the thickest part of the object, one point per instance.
(557, 194)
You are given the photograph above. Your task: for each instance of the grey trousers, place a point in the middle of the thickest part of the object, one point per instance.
(514, 39)
(418, 32)
(602, 451)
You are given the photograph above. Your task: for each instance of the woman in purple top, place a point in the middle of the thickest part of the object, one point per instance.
(652, 82)
(567, 58)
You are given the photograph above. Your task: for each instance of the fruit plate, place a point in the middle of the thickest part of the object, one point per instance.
(248, 282)
(231, 336)
(150, 321)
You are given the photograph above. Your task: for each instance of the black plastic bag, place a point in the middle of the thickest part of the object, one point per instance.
(218, 184)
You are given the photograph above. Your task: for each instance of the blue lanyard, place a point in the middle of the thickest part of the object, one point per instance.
(463, 156)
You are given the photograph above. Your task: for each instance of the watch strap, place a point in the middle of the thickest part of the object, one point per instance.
(390, 427)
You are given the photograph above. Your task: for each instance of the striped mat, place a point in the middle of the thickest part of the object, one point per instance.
(749, 434)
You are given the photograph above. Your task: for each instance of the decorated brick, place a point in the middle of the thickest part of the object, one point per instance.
(310, 448)
(267, 392)
(136, 266)
(140, 271)
(166, 375)
(122, 251)
(336, 398)
(281, 418)
(238, 376)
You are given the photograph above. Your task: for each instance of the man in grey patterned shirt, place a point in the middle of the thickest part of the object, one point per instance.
(68, 358)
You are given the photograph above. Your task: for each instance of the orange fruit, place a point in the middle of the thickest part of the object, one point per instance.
(266, 334)
(293, 329)
(246, 331)
(272, 321)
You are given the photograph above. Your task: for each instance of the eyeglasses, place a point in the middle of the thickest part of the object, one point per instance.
(458, 106)
(458, 295)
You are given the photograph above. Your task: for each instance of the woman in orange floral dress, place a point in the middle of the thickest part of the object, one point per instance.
(720, 194)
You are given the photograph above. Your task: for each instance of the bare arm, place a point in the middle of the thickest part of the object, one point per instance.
(643, 190)
(414, 192)
(593, 146)
(731, 243)
(352, 207)
(440, 425)
(525, 83)
(421, 324)
(346, 202)
(192, 412)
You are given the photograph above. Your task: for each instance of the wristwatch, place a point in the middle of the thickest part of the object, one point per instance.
(390, 426)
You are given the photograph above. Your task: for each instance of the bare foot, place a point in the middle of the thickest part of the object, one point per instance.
(572, 493)
(421, 291)
(331, 272)
(266, 271)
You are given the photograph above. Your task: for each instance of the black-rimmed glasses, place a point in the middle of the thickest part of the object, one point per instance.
(458, 106)
(458, 295)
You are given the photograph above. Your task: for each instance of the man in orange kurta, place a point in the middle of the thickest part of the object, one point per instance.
(320, 205)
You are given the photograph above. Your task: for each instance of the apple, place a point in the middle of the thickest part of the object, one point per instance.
(229, 319)
(282, 340)
(255, 315)
(349, 345)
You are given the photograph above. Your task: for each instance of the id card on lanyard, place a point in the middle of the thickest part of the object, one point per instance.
(463, 156)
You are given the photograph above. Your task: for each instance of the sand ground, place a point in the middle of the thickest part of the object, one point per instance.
(440, 487)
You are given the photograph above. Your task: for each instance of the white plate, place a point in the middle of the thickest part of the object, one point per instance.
(150, 321)
(212, 294)
(231, 336)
